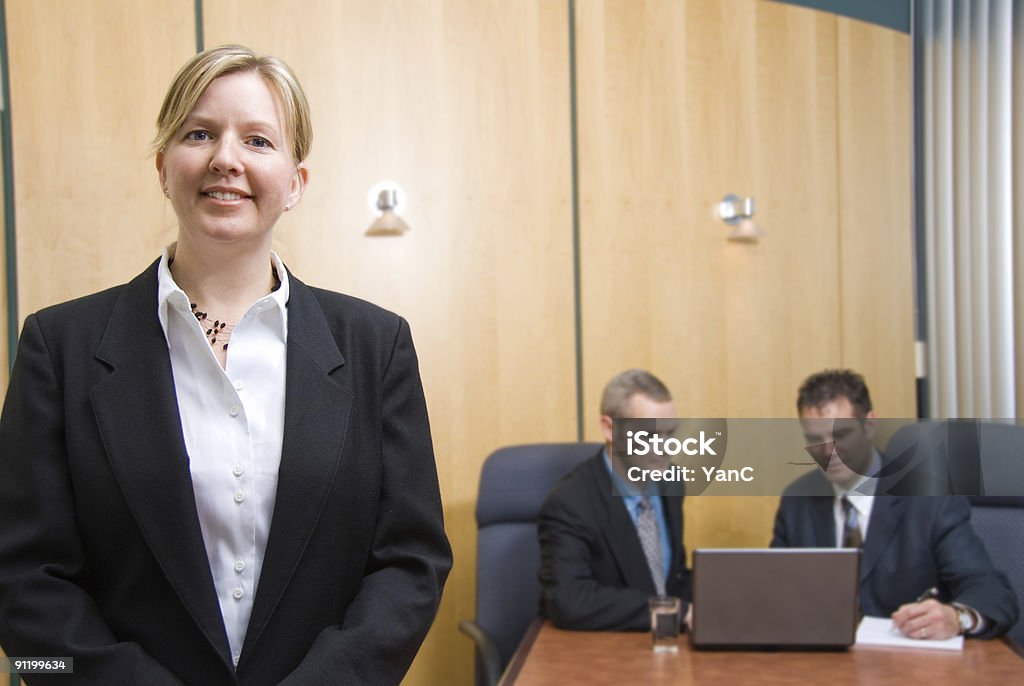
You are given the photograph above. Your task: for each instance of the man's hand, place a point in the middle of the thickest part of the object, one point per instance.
(688, 619)
(928, 619)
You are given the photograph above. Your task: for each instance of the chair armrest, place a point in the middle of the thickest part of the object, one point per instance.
(486, 649)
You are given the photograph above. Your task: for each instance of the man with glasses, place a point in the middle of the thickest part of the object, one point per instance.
(922, 563)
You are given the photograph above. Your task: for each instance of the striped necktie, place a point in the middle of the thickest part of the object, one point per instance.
(647, 529)
(851, 525)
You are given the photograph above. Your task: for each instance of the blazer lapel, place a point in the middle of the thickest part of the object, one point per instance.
(136, 410)
(886, 512)
(621, 536)
(316, 416)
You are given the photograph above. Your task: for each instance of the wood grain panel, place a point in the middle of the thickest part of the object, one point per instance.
(86, 86)
(465, 104)
(680, 104)
(875, 222)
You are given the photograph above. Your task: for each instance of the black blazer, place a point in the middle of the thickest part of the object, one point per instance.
(592, 567)
(913, 543)
(101, 554)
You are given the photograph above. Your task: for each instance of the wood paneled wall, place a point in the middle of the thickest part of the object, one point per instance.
(465, 103)
(764, 102)
(875, 220)
(751, 111)
(86, 86)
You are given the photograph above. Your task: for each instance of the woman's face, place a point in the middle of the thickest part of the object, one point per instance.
(228, 170)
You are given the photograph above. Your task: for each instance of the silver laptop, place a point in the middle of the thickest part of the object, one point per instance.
(801, 598)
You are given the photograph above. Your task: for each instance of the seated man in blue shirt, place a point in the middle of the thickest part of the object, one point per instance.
(604, 555)
(922, 563)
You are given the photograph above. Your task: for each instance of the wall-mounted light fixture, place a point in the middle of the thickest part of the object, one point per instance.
(739, 213)
(387, 199)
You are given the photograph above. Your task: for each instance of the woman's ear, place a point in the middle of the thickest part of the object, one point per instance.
(299, 182)
(159, 160)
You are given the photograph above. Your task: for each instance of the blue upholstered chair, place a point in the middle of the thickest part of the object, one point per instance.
(999, 521)
(513, 485)
(965, 456)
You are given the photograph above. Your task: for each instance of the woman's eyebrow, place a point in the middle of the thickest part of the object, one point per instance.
(211, 122)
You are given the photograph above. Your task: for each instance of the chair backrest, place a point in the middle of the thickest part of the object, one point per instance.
(999, 521)
(513, 485)
(965, 456)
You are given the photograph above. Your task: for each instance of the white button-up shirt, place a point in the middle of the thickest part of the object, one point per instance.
(233, 423)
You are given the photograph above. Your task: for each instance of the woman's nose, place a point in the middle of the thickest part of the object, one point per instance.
(226, 160)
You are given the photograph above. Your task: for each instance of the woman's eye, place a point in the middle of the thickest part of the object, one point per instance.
(197, 136)
(259, 142)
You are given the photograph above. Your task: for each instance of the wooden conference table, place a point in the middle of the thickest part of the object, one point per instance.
(582, 658)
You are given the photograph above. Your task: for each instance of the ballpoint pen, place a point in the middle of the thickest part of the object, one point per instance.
(932, 592)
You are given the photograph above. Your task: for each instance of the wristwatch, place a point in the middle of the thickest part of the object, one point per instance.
(968, 620)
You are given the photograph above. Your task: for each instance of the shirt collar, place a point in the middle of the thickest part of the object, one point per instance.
(624, 488)
(169, 294)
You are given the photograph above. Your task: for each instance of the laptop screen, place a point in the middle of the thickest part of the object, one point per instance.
(777, 597)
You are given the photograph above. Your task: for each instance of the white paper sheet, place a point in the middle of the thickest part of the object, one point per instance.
(879, 631)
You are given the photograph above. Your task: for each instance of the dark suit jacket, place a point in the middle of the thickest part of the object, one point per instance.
(101, 554)
(913, 543)
(592, 566)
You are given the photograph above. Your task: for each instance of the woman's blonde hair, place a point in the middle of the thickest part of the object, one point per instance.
(199, 72)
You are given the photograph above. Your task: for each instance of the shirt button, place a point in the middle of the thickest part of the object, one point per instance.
(237, 593)
(239, 565)
(233, 411)
(238, 470)
(239, 497)
(239, 385)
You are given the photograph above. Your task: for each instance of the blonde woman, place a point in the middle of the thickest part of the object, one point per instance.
(215, 474)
